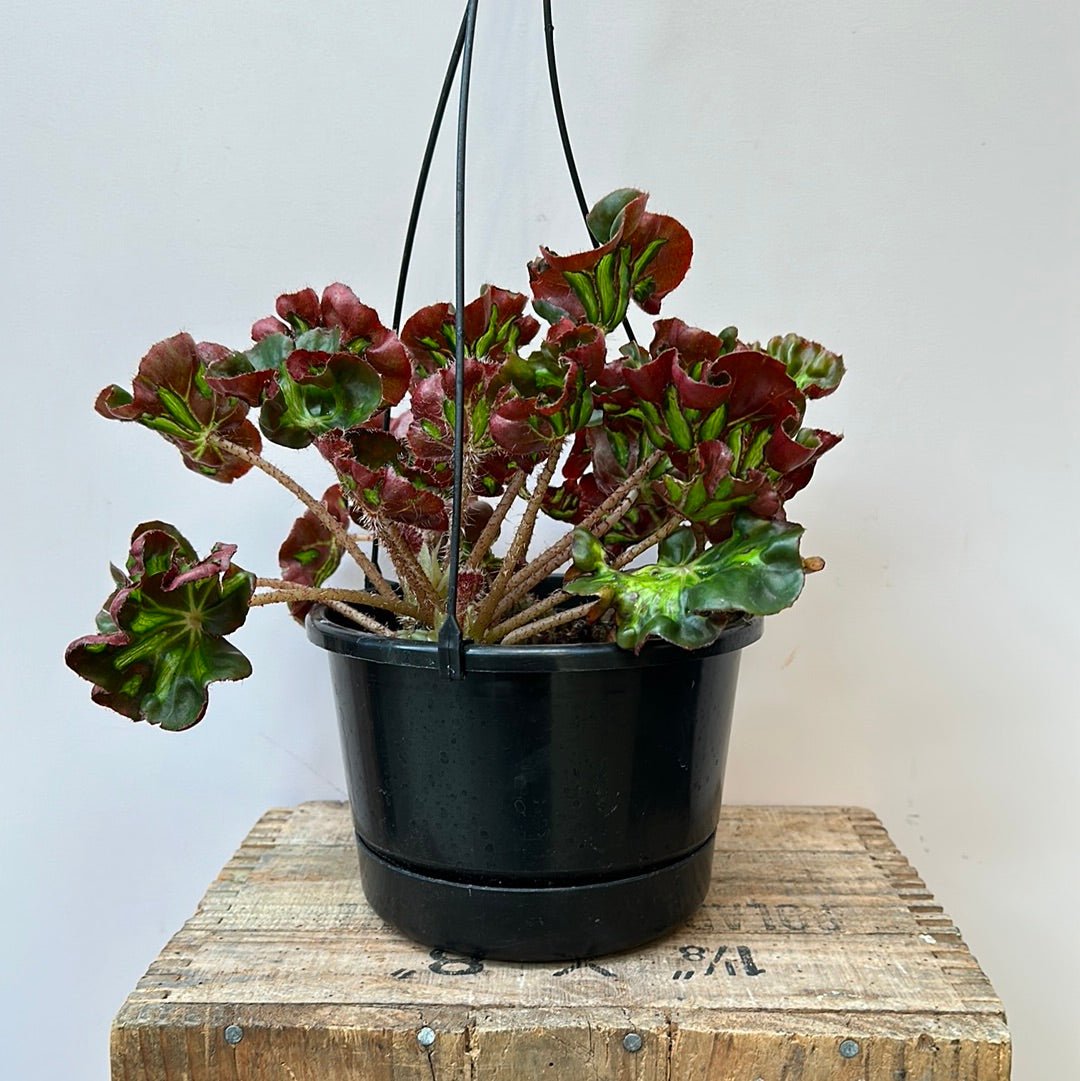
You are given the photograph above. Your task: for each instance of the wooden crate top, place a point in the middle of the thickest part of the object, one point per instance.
(818, 953)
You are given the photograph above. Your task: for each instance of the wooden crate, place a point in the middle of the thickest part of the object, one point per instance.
(818, 955)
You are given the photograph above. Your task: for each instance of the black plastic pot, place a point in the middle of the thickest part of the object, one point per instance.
(558, 802)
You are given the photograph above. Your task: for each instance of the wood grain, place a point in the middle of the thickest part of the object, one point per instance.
(816, 931)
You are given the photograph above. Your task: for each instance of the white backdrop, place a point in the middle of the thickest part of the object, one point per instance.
(897, 180)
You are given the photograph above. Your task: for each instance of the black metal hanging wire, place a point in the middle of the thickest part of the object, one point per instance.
(451, 642)
(425, 169)
(564, 136)
(418, 201)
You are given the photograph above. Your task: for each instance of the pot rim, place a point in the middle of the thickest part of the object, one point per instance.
(351, 641)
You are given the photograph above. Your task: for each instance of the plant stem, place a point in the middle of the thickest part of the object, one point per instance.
(289, 595)
(530, 577)
(601, 520)
(535, 611)
(538, 570)
(411, 572)
(526, 615)
(519, 546)
(531, 630)
(324, 593)
(491, 531)
(317, 508)
(643, 546)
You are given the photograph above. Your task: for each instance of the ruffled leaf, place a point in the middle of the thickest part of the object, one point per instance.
(171, 395)
(319, 390)
(372, 470)
(553, 389)
(313, 324)
(363, 335)
(311, 553)
(495, 325)
(758, 570)
(814, 369)
(703, 489)
(161, 640)
(727, 415)
(640, 257)
(251, 376)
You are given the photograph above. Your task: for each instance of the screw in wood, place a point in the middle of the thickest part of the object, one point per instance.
(425, 1037)
(632, 1042)
(233, 1034)
(849, 1049)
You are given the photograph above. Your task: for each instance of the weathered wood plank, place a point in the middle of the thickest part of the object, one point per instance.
(817, 931)
(768, 972)
(883, 1047)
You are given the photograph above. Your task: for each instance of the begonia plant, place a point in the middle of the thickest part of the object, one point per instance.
(691, 445)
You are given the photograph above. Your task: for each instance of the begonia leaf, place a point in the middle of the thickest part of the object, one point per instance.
(640, 256)
(300, 310)
(319, 391)
(162, 640)
(252, 375)
(703, 489)
(336, 322)
(495, 325)
(171, 395)
(553, 388)
(815, 370)
(372, 470)
(311, 553)
(757, 570)
(363, 335)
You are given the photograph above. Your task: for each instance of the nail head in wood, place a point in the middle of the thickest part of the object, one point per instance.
(849, 1049)
(233, 1034)
(425, 1037)
(632, 1042)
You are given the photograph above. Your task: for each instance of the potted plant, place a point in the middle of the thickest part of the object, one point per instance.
(560, 800)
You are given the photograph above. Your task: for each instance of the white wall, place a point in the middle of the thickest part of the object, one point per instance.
(897, 180)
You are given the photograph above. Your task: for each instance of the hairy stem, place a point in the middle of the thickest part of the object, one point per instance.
(531, 630)
(526, 615)
(350, 613)
(643, 546)
(411, 572)
(600, 521)
(300, 592)
(519, 546)
(491, 531)
(530, 577)
(337, 530)
(542, 607)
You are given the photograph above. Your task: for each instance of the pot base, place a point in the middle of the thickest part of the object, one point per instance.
(536, 923)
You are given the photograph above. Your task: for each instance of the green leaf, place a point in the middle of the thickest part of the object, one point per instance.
(161, 640)
(588, 552)
(318, 392)
(757, 570)
(602, 218)
(815, 370)
(321, 340)
(676, 549)
(172, 396)
(268, 354)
